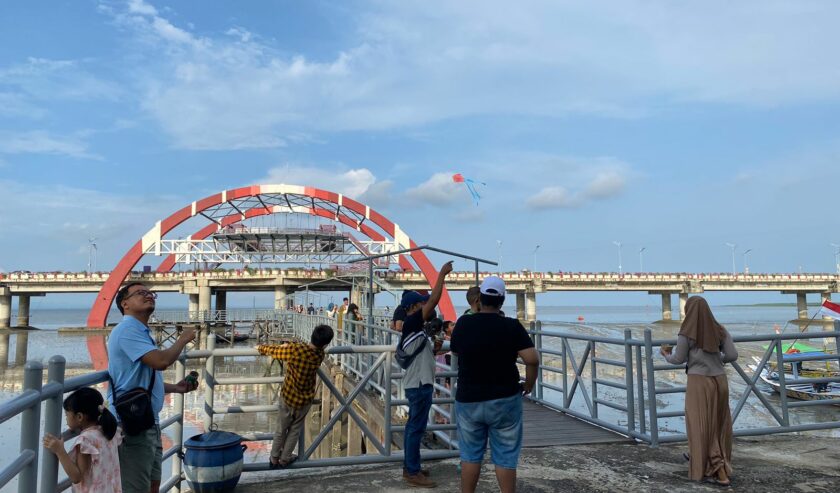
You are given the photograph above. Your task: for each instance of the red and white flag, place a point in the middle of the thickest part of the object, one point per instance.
(829, 309)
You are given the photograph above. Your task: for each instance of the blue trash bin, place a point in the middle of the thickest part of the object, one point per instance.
(213, 461)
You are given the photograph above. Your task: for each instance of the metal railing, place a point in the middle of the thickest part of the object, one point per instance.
(607, 381)
(28, 405)
(569, 357)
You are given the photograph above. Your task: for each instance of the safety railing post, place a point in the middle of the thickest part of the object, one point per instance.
(628, 380)
(209, 382)
(52, 423)
(565, 366)
(651, 390)
(538, 344)
(593, 379)
(30, 427)
(386, 384)
(178, 426)
(782, 386)
(640, 388)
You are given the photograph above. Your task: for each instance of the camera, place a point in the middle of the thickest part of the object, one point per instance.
(434, 329)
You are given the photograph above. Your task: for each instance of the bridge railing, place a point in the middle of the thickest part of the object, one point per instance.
(586, 376)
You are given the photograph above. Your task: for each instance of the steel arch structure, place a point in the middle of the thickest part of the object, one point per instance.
(238, 204)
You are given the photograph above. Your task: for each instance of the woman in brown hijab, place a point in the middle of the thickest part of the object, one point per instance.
(705, 345)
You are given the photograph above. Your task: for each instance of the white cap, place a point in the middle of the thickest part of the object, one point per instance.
(493, 286)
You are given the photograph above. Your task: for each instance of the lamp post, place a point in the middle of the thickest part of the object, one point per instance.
(618, 244)
(91, 255)
(746, 266)
(641, 263)
(499, 250)
(836, 256)
(535, 258)
(733, 246)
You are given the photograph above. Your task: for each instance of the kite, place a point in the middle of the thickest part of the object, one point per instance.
(470, 183)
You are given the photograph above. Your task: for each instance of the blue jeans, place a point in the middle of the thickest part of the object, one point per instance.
(419, 404)
(500, 420)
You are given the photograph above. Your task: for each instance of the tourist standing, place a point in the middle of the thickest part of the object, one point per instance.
(488, 401)
(93, 464)
(705, 345)
(135, 362)
(419, 377)
(302, 363)
(474, 300)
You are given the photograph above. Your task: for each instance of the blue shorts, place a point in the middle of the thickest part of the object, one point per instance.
(500, 420)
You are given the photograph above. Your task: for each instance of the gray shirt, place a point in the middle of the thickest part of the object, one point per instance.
(700, 362)
(422, 369)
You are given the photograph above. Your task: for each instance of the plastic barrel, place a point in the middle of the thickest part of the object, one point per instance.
(213, 461)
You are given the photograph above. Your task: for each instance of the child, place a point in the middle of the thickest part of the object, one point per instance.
(302, 363)
(93, 464)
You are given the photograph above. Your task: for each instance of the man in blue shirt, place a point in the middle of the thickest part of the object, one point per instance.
(133, 357)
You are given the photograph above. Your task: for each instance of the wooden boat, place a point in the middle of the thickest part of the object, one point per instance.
(794, 369)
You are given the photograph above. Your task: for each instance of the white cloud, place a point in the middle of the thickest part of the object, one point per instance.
(39, 142)
(437, 191)
(353, 183)
(554, 197)
(412, 63)
(605, 184)
(41, 79)
(378, 194)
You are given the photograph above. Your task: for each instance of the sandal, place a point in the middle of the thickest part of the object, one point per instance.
(718, 482)
(686, 457)
(273, 465)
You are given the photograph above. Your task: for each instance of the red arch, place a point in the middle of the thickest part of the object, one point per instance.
(99, 312)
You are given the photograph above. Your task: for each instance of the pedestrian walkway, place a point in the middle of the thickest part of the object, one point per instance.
(545, 427)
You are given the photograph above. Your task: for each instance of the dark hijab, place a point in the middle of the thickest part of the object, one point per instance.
(701, 327)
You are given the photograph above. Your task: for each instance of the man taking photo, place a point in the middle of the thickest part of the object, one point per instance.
(419, 377)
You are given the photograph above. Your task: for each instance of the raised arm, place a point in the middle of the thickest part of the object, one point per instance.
(161, 359)
(434, 298)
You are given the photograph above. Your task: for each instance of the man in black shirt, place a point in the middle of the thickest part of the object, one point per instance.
(488, 402)
(399, 313)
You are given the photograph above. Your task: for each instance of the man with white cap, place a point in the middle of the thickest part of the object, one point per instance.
(488, 402)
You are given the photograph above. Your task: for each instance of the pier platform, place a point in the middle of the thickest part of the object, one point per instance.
(775, 464)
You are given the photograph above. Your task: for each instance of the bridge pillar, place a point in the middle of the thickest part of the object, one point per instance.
(666, 306)
(221, 301)
(530, 305)
(193, 306)
(825, 296)
(5, 309)
(23, 310)
(280, 297)
(683, 301)
(520, 306)
(801, 305)
(204, 299)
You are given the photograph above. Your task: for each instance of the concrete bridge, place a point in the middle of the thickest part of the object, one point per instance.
(202, 287)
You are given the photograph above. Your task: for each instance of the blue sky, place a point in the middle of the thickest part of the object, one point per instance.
(673, 126)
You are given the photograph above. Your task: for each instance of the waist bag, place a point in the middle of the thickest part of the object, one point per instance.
(134, 407)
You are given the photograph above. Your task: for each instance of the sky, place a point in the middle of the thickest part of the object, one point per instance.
(677, 127)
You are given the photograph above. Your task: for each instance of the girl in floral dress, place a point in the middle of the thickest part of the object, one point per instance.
(93, 464)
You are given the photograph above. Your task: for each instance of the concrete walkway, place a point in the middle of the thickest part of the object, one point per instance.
(780, 464)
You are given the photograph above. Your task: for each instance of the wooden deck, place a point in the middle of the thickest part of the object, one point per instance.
(545, 427)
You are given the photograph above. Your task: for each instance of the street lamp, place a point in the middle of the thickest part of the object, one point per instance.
(91, 254)
(746, 267)
(535, 258)
(836, 256)
(641, 264)
(733, 246)
(499, 247)
(618, 244)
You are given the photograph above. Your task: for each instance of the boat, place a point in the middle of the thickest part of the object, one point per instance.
(793, 367)
(237, 337)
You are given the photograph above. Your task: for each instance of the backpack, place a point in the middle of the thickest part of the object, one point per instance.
(404, 359)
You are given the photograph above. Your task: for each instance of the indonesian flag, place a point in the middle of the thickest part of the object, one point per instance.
(829, 309)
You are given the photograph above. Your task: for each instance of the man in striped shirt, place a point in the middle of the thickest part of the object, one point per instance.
(302, 363)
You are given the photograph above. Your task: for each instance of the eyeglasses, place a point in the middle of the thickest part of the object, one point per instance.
(145, 293)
